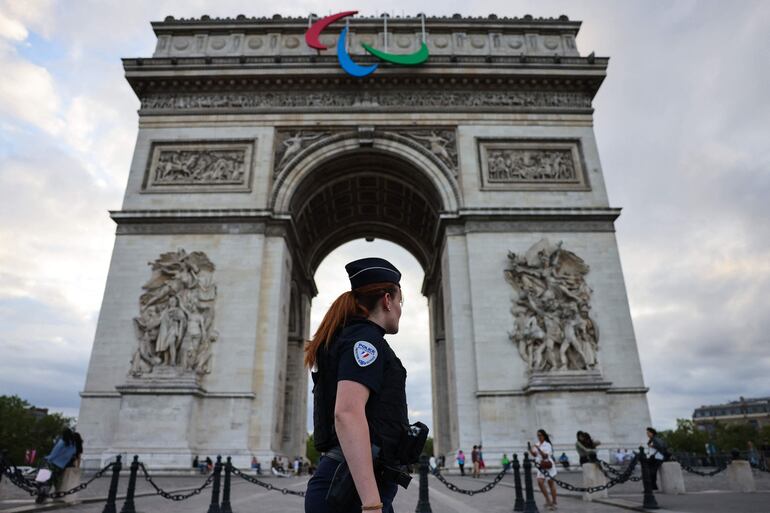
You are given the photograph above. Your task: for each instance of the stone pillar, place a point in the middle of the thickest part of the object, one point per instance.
(593, 476)
(671, 480)
(740, 477)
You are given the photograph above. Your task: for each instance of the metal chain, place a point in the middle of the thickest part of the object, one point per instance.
(607, 469)
(33, 487)
(625, 476)
(483, 489)
(688, 468)
(175, 496)
(253, 480)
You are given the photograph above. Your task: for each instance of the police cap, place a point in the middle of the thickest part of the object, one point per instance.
(371, 270)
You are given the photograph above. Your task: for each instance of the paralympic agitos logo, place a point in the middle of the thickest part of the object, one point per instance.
(343, 56)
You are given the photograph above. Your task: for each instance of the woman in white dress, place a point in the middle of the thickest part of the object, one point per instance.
(543, 453)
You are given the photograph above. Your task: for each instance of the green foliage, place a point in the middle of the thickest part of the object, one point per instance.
(310, 450)
(20, 430)
(687, 438)
(428, 449)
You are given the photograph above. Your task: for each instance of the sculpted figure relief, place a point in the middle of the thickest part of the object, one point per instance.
(176, 313)
(200, 167)
(553, 327)
(519, 165)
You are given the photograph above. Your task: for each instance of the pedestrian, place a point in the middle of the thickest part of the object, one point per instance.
(475, 461)
(586, 448)
(461, 461)
(360, 416)
(751, 454)
(564, 460)
(297, 464)
(546, 466)
(209, 464)
(482, 465)
(64, 451)
(658, 453)
(505, 462)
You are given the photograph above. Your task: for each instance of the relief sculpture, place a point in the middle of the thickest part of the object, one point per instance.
(176, 167)
(553, 326)
(511, 165)
(176, 315)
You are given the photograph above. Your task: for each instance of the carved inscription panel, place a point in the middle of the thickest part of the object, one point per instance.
(199, 166)
(530, 164)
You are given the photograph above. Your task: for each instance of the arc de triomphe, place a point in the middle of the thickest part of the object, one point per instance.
(257, 155)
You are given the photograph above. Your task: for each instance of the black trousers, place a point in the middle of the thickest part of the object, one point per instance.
(318, 486)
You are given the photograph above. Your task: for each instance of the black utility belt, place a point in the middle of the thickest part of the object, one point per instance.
(383, 472)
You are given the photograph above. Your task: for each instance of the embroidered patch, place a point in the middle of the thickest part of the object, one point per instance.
(364, 353)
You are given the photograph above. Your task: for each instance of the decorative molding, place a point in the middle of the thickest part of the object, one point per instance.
(199, 166)
(366, 100)
(532, 164)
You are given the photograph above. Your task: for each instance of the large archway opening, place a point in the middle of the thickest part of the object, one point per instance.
(373, 201)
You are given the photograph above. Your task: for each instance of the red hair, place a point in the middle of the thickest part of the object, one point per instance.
(359, 302)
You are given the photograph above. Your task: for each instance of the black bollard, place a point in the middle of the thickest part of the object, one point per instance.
(518, 503)
(214, 506)
(113, 493)
(529, 503)
(649, 498)
(128, 505)
(423, 503)
(226, 507)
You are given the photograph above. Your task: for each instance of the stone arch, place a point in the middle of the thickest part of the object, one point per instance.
(442, 178)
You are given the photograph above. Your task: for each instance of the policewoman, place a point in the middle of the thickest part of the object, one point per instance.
(361, 426)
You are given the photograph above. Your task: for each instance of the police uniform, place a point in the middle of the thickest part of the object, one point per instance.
(359, 353)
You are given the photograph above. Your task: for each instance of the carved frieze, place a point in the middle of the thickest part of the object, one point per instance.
(427, 99)
(204, 166)
(553, 326)
(531, 164)
(437, 142)
(174, 328)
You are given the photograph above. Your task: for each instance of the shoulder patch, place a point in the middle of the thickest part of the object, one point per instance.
(364, 352)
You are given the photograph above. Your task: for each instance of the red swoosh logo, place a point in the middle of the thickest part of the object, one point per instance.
(311, 36)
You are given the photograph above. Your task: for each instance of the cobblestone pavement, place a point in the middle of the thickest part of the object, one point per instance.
(247, 498)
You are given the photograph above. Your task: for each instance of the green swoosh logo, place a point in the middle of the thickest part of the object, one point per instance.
(410, 59)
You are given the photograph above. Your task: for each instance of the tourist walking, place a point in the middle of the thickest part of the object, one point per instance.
(359, 399)
(657, 454)
(505, 462)
(482, 465)
(546, 467)
(475, 461)
(64, 451)
(461, 461)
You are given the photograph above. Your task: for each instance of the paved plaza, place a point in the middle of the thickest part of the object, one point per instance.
(705, 495)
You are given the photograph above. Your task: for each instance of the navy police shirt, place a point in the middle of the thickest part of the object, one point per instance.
(360, 353)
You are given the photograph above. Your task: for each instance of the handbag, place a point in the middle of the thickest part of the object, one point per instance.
(43, 475)
(546, 464)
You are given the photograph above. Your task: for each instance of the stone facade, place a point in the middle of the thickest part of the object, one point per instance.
(261, 155)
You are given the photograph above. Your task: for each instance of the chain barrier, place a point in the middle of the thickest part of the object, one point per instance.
(32, 487)
(622, 478)
(253, 480)
(688, 468)
(608, 469)
(499, 477)
(175, 496)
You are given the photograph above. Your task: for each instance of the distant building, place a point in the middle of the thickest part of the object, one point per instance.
(38, 413)
(755, 412)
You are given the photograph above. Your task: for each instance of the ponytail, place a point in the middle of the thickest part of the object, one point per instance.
(359, 302)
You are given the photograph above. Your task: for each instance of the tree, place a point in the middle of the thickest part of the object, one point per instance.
(21, 430)
(428, 449)
(310, 450)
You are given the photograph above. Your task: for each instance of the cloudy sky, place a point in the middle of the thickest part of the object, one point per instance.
(682, 123)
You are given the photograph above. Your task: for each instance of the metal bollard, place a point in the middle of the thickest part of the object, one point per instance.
(128, 505)
(423, 503)
(529, 503)
(518, 503)
(649, 498)
(113, 493)
(214, 506)
(226, 507)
